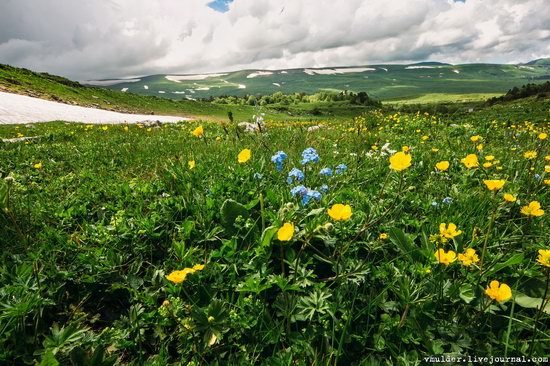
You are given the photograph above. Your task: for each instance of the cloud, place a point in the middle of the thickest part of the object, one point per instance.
(121, 38)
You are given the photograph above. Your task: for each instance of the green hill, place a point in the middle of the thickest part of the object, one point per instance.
(425, 81)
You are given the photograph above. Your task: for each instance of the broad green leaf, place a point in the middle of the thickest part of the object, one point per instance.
(267, 235)
(467, 293)
(531, 302)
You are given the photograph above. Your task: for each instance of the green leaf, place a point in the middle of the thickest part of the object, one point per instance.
(466, 293)
(315, 211)
(404, 244)
(49, 360)
(4, 194)
(512, 261)
(267, 235)
(230, 210)
(531, 302)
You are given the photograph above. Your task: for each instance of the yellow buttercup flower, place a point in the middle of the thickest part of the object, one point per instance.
(547, 168)
(470, 161)
(180, 275)
(544, 257)
(286, 232)
(424, 138)
(489, 158)
(494, 184)
(530, 155)
(509, 197)
(448, 231)
(198, 132)
(487, 164)
(445, 258)
(542, 136)
(340, 212)
(442, 165)
(499, 291)
(244, 156)
(469, 257)
(547, 182)
(475, 138)
(405, 148)
(532, 209)
(479, 147)
(435, 149)
(191, 164)
(383, 236)
(400, 161)
(37, 166)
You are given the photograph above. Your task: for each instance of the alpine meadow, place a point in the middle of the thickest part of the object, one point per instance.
(283, 188)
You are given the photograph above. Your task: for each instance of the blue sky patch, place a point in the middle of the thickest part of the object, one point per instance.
(220, 5)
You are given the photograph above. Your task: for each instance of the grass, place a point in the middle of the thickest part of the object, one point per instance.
(93, 219)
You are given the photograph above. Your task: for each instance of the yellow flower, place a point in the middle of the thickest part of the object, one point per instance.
(469, 257)
(475, 138)
(489, 158)
(499, 291)
(547, 168)
(218, 139)
(405, 148)
(487, 164)
(542, 136)
(547, 158)
(470, 161)
(383, 236)
(198, 132)
(198, 267)
(544, 257)
(191, 164)
(445, 258)
(424, 138)
(547, 182)
(244, 156)
(509, 197)
(400, 161)
(442, 165)
(181, 275)
(104, 128)
(340, 212)
(126, 128)
(479, 147)
(494, 184)
(37, 166)
(448, 231)
(286, 232)
(530, 155)
(533, 209)
(435, 149)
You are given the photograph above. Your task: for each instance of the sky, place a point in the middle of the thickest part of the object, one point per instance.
(99, 39)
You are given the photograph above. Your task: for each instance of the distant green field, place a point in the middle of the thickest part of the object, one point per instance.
(422, 82)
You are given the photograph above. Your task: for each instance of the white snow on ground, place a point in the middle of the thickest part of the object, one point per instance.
(178, 92)
(162, 92)
(283, 72)
(242, 86)
(456, 71)
(259, 73)
(124, 90)
(203, 88)
(337, 71)
(276, 84)
(19, 109)
(383, 68)
(145, 87)
(526, 67)
(179, 78)
(110, 82)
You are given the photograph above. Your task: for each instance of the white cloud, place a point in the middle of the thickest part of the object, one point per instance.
(86, 39)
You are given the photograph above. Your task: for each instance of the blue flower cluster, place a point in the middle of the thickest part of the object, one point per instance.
(278, 159)
(341, 168)
(309, 155)
(326, 172)
(295, 175)
(306, 194)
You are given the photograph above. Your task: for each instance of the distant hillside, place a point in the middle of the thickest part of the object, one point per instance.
(424, 80)
(51, 87)
(525, 91)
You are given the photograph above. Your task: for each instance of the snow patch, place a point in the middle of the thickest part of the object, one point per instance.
(242, 86)
(145, 87)
(258, 73)
(337, 70)
(180, 78)
(276, 84)
(124, 90)
(456, 71)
